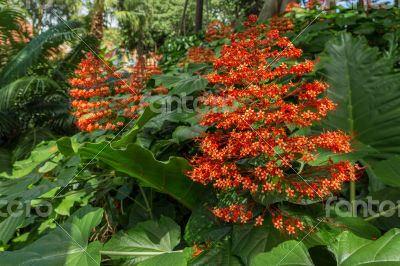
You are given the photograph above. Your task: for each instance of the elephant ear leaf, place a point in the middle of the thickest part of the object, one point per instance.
(348, 249)
(148, 243)
(365, 87)
(288, 253)
(65, 245)
(166, 176)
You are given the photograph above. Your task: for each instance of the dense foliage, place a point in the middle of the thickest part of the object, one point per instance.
(247, 144)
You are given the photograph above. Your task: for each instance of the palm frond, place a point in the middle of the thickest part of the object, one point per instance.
(37, 50)
(25, 90)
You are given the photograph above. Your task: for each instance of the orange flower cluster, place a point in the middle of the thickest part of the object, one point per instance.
(281, 24)
(289, 225)
(234, 213)
(290, 6)
(314, 4)
(217, 30)
(254, 144)
(200, 55)
(104, 99)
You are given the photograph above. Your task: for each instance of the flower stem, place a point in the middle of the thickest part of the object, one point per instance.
(353, 198)
(381, 213)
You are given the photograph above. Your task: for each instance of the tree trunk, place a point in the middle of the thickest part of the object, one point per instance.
(40, 15)
(97, 23)
(183, 20)
(199, 15)
(272, 8)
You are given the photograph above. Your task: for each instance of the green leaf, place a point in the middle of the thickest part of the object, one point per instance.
(351, 250)
(9, 225)
(248, 241)
(167, 177)
(65, 245)
(130, 136)
(348, 249)
(388, 171)
(184, 133)
(5, 160)
(204, 227)
(182, 84)
(365, 87)
(221, 254)
(64, 145)
(288, 253)
(147, 240)
(176, 259)
(40, 154)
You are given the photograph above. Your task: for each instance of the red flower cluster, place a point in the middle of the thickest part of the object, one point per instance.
(254, 144)
(234, 213)
(291, 5)
(104, 99)
(282, 24)
(217, 30)
(314, 4)
(200, 55)
(289, 224)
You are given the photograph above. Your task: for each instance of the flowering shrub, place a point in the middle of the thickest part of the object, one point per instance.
(256, 148)
(217, 30)
(282, 24)
(292, 5)
(104, 99)
(200, 55)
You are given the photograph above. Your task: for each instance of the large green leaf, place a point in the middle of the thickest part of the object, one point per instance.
(65, 245)
(166, 176)
(151, 240)
(349, 250)
(248, 241)
(288, 253)
(40, 154)
(388, 171)
(182, 84)
(366, 89)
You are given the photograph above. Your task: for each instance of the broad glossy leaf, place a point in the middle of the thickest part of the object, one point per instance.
(351, 250)
(348, 249)
(365, 87)
(219, 255)
(288, 253)
(204, 227)
(40, 154)
(166, 176)
(147, 240)
(388, 171)
(248, 240)
(182, 84)
(65, 245)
